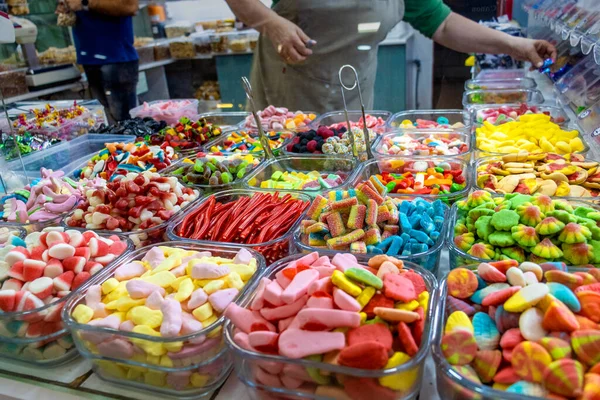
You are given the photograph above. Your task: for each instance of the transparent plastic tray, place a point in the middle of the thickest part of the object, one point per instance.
(140, 237)
(38, 350)
(66, 156)
(496, 74)
(225, 120)
(584, 27)
(396, 165)
(199, 348)
(577, 88)
(589, 121)
(453, 116)
(485, 161)
(463, 135)
(336, 117)
(557, 114)
(478, 153)
(225, 137)
(489, 84)
(459, 257)
(342, 166)
(171, 116)
(208, 189)
(271, 250)
(502, 96)
(410, 373)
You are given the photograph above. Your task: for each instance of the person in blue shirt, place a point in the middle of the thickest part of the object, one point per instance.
(103, 36)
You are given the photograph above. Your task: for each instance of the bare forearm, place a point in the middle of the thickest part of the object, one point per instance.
(115, 8)
(461, 34)
(252, 12)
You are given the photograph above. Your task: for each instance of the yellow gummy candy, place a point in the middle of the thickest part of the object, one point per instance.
(234, 280)
(576, 144)
(423, 299)
(82, 314)
(410, 306)
(339, 279)
(124, 303)
(186, 287)
(175, 284)
(153, 359)
(143, 315)
(203, 312)
(112, 369)
(458, 320)
(244, 271)
(133, 374)
(162, 279)
(402, 381)
(156, 378)
(198, 380)
(213, 286)
(109, 285)
(363, 317)
(152, 348)
(116, 293)
(563, 147)
(165, 361)
(365, 296)
(168, 264)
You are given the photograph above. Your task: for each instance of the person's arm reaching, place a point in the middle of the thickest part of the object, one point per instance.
(461, 34)
(287, 38)
(115, 8)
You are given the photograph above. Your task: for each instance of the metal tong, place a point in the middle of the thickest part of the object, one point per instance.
(362, 109)
(264, 140)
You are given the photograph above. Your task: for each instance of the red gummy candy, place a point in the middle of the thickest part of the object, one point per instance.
(399, 288)
(419, 325)
(367, 389)
(371, 333)
(407, 339)
(366, 355)
(416, 279)
(378, 300)
(311, 146)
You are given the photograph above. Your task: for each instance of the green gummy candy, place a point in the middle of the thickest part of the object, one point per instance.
(593, 228)
(505, 205)
(484, 227)
(198, 166)
(315, 373)
(504, 220)
(240, 174)
(211, 166)
(594, 215)
(563, 205)
(501, 239)
(513, 253)
(517, 199)
(563, 216)
(470, 224)
(595, 251)
(376, 320)
(455, 187)
(480, 211)
(226, 177)
(364, 276)
(276, 175)
(583, 211)
(460, 228)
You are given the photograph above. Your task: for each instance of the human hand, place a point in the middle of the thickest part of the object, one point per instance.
(534, 51)
(61, 8)
(288, 39)
(74, 5)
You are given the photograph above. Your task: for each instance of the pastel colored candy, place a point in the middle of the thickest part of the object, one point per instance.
(459, 347)
(557, 348)
(530, 324)
(564, 377)
(586, 344)
(527, 388)
(462, 283)
(486, 364)
(526, 297)
(458, 320)
(487, 336)
(529, 360)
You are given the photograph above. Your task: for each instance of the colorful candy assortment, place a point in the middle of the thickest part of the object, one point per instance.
(524, 328)
(50, 118)
(423, 144)
(439, 123)
(44, 199)
(365, 220)
(295, 180)
(186, 134)
(374, 123)
(336, 312)
(255, 219)
(422, 177)
(533, 133)
(134, 202)
(10, 236)
(329, 141)
(279, 118)
(118, 159)
(527, 228)
(170, 111)
(215, 170)
(249, 142)
(38, 271)
(168, 293)
(545, 173)
(501, 115)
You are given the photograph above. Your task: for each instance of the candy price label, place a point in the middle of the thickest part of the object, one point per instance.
(584, 114)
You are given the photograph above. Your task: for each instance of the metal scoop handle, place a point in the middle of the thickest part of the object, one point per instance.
(264, 140)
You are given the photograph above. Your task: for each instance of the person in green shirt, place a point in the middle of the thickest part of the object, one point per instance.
(303, 44)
